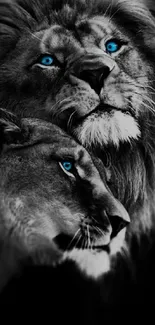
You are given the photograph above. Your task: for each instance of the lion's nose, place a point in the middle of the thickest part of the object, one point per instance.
(95, 78)
(91, 68)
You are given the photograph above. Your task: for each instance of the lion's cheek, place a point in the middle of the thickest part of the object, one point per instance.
(107, 128)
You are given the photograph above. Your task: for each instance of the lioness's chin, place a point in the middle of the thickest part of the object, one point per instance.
(97, 262)
(103, 128)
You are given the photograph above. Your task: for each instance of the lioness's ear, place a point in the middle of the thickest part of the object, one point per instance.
(10, 128)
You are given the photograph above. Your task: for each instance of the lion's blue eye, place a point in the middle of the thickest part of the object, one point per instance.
(67, 165)
(47, 60)
(112, 46)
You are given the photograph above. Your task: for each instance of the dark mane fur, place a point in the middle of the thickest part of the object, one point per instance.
(134, 17)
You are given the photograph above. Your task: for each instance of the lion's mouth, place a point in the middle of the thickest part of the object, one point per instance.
(104, 108)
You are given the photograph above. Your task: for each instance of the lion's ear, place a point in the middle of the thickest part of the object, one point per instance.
(11, 130)
(151, 6)
(9, 31)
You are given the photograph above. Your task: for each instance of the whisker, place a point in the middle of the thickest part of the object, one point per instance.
(141, 102)
(144, 96)
(77, 241)
(80, 215)
(73, 239)
(142, 76)
(109, 9)
(112, 16)
(69, 123)
(35, 36)
(100, 232)
(91, 245)
(94, 219)
(145, 86)
(61, 101)
(89, 242)
(86, 244)
(151, 101)
(83, 243)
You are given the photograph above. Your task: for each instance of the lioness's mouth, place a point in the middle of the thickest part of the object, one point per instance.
(66, 242)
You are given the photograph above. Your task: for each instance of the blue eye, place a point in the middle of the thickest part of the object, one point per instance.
(67, 165)
(47, 60)
(112, 46)
(68, 168)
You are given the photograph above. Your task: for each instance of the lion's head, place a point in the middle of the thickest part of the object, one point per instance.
(89, 67)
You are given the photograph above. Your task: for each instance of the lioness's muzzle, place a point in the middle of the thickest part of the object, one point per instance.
(116, 213)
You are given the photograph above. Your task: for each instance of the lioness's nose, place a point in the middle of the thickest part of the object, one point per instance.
(115, 212)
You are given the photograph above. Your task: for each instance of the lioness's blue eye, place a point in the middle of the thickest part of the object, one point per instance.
(67, 165)
(112, 46)
(46, 60)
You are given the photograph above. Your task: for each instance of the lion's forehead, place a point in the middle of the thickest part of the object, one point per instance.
(89, 32)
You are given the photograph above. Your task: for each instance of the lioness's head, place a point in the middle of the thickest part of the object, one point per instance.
(89, 67)
(51, 190)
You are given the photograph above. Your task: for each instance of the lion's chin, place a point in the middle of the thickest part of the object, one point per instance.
(104, 128)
